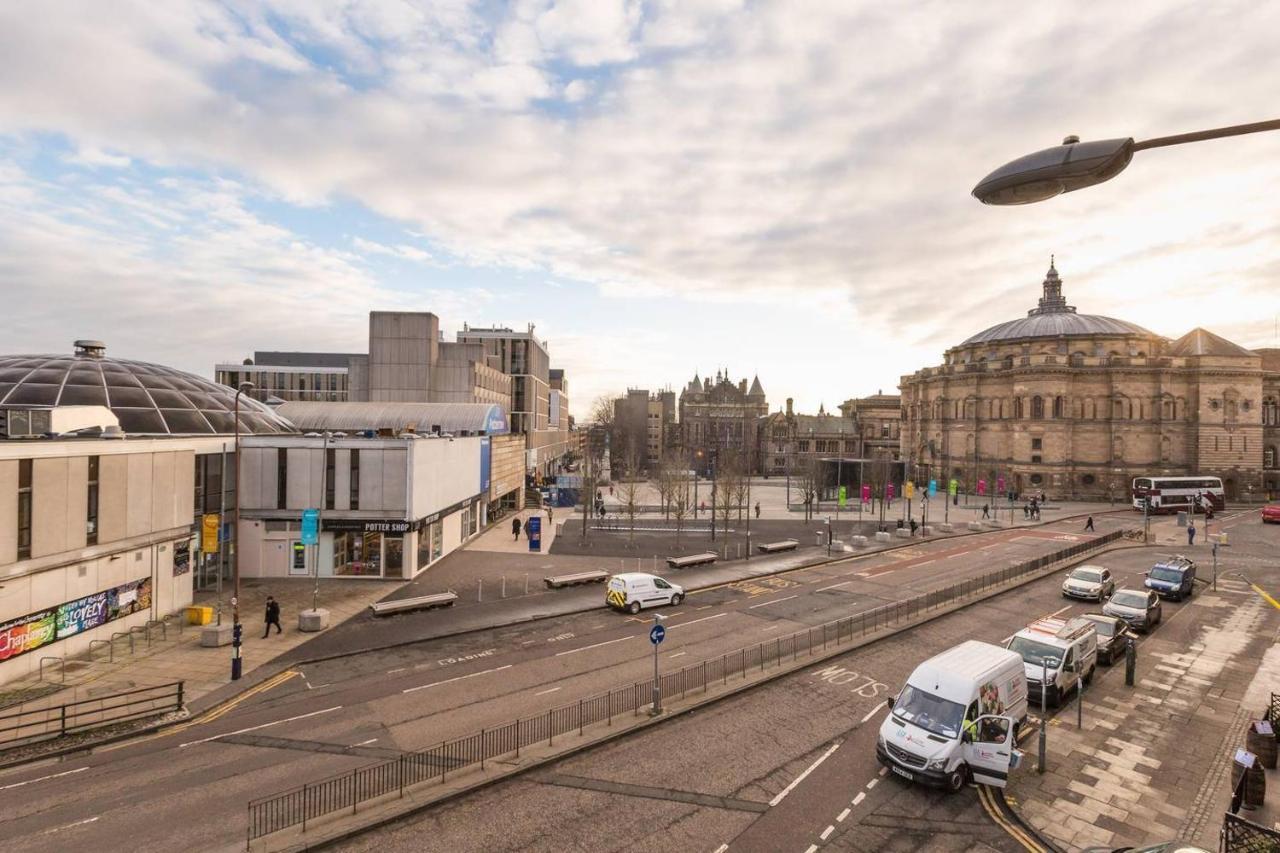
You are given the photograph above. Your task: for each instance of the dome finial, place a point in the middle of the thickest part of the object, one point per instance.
(1050, 261)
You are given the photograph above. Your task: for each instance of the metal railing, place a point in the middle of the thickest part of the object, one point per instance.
(1245, 836)
(25, 727)
(346, 791)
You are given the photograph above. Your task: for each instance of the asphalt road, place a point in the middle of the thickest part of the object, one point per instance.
(191, 784)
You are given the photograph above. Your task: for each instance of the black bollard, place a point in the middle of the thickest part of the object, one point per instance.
(1130, 662)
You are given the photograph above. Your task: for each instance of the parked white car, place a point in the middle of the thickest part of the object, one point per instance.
(1092, 583)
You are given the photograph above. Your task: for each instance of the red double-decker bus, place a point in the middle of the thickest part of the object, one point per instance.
(1171, 494)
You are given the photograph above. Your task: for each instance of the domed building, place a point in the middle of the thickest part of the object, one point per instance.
(1077, 405)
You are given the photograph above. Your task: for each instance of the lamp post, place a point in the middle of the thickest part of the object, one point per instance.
(1074, 165)
(236, 628)
(324, 490)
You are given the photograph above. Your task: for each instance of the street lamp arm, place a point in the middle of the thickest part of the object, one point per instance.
(1202, 135)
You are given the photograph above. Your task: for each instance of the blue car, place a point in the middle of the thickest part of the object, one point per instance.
(1174, 578)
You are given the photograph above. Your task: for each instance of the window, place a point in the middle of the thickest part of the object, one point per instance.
(330, 460)
(355, 479)
(1037, 479)
(1059, 407)
(282, 477)
(1035, 458)
(1017, 408)
(1037, 407)
(393, 550)
(91, 514)
(802, 446)
(1037, 444)
(1269, 458)
(24, 508)
(1088, 480)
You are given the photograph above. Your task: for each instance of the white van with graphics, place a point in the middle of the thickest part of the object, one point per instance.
(1063, 649)
(631, 591)
(957, 718)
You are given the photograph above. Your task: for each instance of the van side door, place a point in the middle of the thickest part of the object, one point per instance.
(989, 750)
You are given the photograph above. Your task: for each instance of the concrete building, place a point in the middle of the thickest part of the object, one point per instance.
(644, 427)
(410, 362)
(720, 415)
(106, 465)
(879, 419)
(1078, 405)
(293, 375)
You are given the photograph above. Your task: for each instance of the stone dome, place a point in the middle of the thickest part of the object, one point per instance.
(148, 399)
(1053, 317)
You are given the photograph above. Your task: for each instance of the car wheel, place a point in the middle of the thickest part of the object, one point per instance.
(633, 608)
(1088, 678)
(955, 781)
(676, 599)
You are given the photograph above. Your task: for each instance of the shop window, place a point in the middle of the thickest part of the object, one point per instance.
(437, 541)
(357, 554)
(394, 555)
(424, 548)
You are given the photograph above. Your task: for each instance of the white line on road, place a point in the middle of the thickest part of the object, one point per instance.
(677, 654)
(884, 771)
(596, 645)
(696, 621)
(826, 833)
(925, 563)
(844, 814)
(876, 710)
(861, 574)
(1059, 610)
(872, 783)
(812, 848)
(801, 777)
(44, 778)
(397, 669)
(366, 742)
(833, 586)
(775, 601)
(545, 692)
(69, 825)
(456, 678)
(721, 848)
(862, 795)
(263, 726)
(768, 628)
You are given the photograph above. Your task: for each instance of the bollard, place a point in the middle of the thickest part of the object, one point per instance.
(1044, 717)
(480, 590)
(504, 586)
(526, 583)
(1130, 662)
(1079, 703)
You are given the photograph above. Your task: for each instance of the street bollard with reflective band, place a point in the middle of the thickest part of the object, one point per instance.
(1044, 716)
(1079, 703)
(1130, 662)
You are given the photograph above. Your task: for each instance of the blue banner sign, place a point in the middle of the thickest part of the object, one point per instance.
(310, 526)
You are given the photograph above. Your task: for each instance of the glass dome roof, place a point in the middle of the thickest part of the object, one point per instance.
(148, 399)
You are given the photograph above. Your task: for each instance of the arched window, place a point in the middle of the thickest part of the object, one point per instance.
(1166, 409)
(1077, 408)
(1059, 407)
(1037, 407)
(1017, 408)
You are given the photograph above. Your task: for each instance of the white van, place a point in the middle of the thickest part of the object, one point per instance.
(1065, 649)
(631, 591)
(956, 718)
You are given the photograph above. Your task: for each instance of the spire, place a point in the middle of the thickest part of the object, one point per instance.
(1053, 302)
(822, 409)
(757, 390)
(696, 381)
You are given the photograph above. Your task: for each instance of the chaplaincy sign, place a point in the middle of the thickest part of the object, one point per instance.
(30, 632)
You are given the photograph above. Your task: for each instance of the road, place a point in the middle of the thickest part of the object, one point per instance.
(192, 782)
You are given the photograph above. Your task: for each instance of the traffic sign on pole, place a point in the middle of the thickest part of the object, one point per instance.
(657, 634)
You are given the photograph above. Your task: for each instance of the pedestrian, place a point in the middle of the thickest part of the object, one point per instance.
(551, 515)
(610, 490)
(526, 528)
(1191, 533)
(1026, 511)
(986, 511)
(515, 529)
(272, 617)
(1088, 525)
(757, 509)
(913, 527)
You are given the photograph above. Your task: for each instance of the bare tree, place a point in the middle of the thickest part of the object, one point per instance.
(809, 476)
(879, 474)
(728, 475)
(741, 483)
(629, 489)
(681, 492)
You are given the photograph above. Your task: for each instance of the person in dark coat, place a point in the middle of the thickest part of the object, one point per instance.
(986, 511)
(515, 529)
(272, 617)
(1191, 533)
(1088, 525)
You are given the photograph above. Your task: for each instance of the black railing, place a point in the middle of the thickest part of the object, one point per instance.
(304, 804)
(53, 721)
(1244, 836)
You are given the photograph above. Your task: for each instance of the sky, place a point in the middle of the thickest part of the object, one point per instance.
(662, 187)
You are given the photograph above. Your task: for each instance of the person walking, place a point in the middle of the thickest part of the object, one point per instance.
(515, 529)
(986, 511)
(1026, 512)
(550, 515)
(913, 527)
(1191, 533)
(272, 617)
(757, 509)
(1088, 525)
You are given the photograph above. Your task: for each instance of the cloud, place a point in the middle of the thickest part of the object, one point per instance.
(410, 253)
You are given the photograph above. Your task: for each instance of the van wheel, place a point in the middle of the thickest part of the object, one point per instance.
(1088, 678)
(676, 599)
(955, 781)
(633, 608)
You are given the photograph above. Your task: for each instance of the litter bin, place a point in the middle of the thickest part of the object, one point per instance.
(1247, 766)
(199, 615)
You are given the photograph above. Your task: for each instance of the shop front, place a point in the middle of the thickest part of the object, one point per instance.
(364, 548)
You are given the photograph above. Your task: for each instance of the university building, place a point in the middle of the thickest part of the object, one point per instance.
(720, 415)
(1077, 405)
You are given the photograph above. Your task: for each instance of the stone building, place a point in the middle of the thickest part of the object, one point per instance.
(719, 415)
(786, 440)
(879, 419)
(1079, 404)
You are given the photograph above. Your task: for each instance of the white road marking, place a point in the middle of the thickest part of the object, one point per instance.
(696, 621)
(263, 726)
(884, 771)
(844, 814)
(925, 563)
(862, 795)
(812, 848)
(708, 607)
(861, 574)
(876, 710)
(545, 692)
(721, 848)
(366, 742)
(775, 601)
(1060, 609)
(596, 645)
(801, 777)
(44, 778)
(833, 586)
(768, 628)
(69, 825)
(872, 783)
(397, 669)
(455, 678)
(528, 642)
(826, 833)
(677, 654)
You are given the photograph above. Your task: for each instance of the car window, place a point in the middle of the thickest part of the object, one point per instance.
(1104, 629)
(1128, 598)
(1086, 575)
(1166, 573)
(661, 584)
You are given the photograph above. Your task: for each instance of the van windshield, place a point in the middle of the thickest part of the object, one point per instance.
(1036, 654)
(931, 713)
(1164, 573)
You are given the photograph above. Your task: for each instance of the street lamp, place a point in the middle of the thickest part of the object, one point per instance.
(236, 629)
(1074, 165)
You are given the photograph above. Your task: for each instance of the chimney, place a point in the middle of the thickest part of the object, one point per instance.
(742, 385)
(788, 407)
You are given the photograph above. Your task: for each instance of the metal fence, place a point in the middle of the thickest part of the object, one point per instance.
(24, 727)
(347, 791)
(1243, 836)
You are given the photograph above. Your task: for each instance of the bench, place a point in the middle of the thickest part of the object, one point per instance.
(435, 599)
(775, 547)
(557, 581)
(692, 560)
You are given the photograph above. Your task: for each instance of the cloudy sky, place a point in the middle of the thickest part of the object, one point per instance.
(661, 186)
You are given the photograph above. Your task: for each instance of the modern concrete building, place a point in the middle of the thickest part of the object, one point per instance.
(293, 375)
(410, 362)
(1080, 404)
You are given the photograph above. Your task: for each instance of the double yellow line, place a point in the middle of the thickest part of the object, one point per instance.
(212, 714)
(1262, 592)
(1016, 832)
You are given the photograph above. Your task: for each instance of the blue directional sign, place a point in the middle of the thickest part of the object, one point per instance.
(310, 526)
(657, 634)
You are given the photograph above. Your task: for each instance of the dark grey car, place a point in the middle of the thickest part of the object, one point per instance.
(1140, 608)
(1113, 634)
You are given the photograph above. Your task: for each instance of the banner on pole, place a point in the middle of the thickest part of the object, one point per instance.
(982, 487)
(1000, 484)
(933, 488)
(953, 487)
(909, 489)
(310, 526)
(866, 494)
(888, 491)
(209, 533)
(843, 495)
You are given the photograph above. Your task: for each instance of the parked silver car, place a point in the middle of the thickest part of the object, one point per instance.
(1093, 583)
(1138, 607)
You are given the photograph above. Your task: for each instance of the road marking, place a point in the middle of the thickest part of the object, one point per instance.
(826, 833)
(884, 771)
(1060, 609)
(263, 726)
(594, 646)
(925, 563)
(844, 814)
(397, 669)
(366, 742)
(801, 777)
(833, 586)
(872, 783)
(69, 825)
(708, 607)
(528, 642)
(876, 710)
(545, 692)
(767, 628)
(455, 678)
(862, 795)
(812, 848)
(775, 601)
(721, 848)
(696, 621)
(677, 654)
(43, 778)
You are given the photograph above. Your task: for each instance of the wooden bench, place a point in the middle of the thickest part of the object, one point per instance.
(692, 560)
(557, 581)
(435, 599)
(775, 547)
